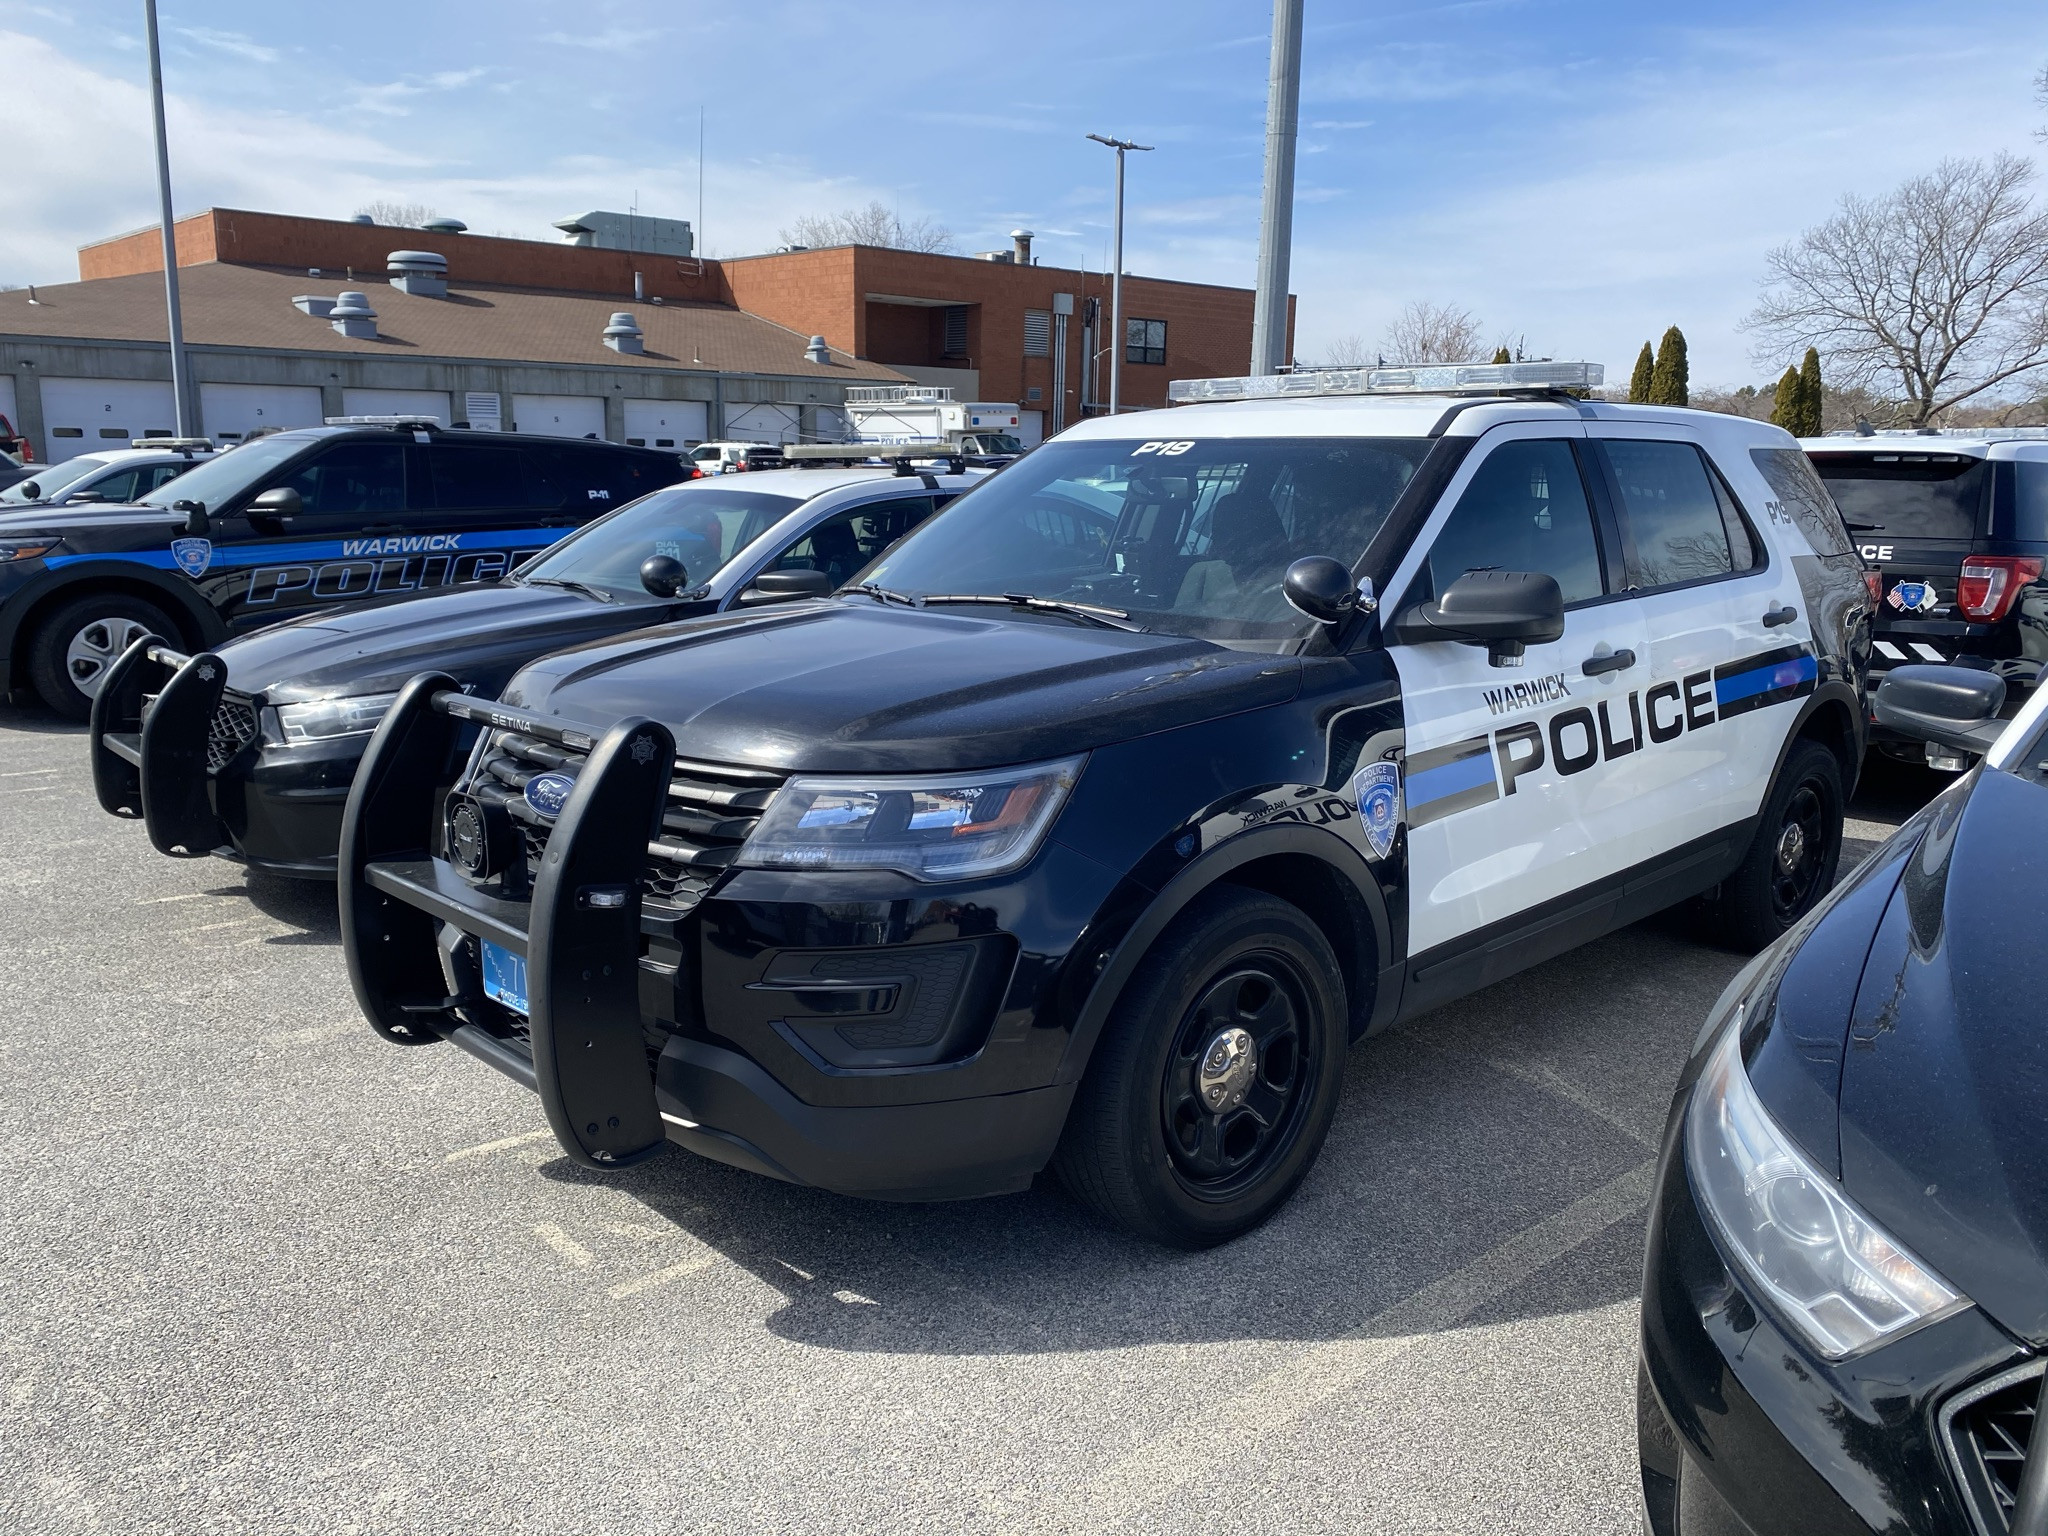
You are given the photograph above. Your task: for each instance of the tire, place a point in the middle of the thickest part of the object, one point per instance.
(76, 645)
(1143, 1147)
(1792, 860)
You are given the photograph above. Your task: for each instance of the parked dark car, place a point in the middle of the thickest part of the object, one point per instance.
(1953, 527)
(314, 519)
(248, 750)
(1845, 1306)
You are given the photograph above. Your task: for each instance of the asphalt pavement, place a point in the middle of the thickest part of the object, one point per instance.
(264, 1272)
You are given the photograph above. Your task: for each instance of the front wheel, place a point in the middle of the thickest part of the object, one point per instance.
(78, 645)
(1791, 862)
(1217, 1077)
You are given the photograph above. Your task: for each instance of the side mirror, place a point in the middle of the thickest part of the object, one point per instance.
(663, 575)
(197, 525)
(1323, 589)
(1955, 707)
(785, 587)
(33, 491)
(85, 496)
(1505, 611)
(278, 501)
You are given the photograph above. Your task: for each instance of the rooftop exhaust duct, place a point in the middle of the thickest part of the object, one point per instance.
(817, 351)
(624, 334)
(317, 305)
(1021, 239)
(422, 273)
(445, 227)
(352, 316)
(362, 218)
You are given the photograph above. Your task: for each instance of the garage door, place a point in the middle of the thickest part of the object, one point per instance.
(667, 423)
(397, 402)
(7, 402)
(230, 412)
(80, 415)
(761, 423)
(558, 415)
(1030, 428)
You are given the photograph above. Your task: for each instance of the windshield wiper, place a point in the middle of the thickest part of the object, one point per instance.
(880, 594)
(574, 586)
(1094, 613)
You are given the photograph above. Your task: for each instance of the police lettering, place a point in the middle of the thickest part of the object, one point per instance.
(346, 580)
(1547, 689)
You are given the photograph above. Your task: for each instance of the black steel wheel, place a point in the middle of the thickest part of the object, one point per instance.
(1792, 858)
(1217, 1075)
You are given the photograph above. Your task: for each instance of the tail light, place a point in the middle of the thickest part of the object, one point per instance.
(1874, 580)
(1990, 584)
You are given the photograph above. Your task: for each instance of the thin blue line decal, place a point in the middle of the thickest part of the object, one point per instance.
(1782, 674)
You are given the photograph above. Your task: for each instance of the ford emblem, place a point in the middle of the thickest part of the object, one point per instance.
(547, 793)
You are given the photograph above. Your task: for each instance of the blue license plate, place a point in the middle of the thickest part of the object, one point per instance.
(504, 976)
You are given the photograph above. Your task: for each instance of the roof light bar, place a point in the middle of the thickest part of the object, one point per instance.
(418, 423)
(1443, 379)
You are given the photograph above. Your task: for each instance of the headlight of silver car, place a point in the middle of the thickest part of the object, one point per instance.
(1816, 1261)
(942, 827)
(331, 719)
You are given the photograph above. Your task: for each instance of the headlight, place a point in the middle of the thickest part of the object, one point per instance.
(1820, 1264)
(331, 719)
(945, 827)
(25, 551)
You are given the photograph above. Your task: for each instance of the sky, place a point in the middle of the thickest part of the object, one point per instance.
(1578, 174)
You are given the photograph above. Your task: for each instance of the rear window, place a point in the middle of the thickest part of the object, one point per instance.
(2032, 487)
(1804, 498)
(1937, 496)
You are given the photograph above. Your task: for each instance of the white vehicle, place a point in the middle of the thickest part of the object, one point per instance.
(118, 477)
(731, 458)
(912, 413)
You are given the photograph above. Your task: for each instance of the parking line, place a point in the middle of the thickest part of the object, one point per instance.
(1313, 1375)
(1548, 1078)
(563, 1244)
(634, 1287)
(29, 773)
(150, 901)
(31, 789)
(503, 1143)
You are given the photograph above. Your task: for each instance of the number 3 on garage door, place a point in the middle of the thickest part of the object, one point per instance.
(1522, 783)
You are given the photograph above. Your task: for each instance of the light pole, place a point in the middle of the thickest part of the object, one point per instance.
(181, 382)
(1116, 277)
(1276, 217)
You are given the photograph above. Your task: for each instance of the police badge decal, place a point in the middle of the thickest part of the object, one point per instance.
(1377, 789)
(193, 556)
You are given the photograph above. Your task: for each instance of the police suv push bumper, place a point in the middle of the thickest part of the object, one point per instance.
(156, 741)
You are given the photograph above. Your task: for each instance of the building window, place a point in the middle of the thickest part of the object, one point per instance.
(1145, 341)
(1038, 333)
(956, 330)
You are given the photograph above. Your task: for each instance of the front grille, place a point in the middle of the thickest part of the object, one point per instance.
(232, 728)
(711, 809)
(1989, 1428)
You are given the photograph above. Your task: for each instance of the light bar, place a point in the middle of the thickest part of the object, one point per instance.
(418, 423)
(179, 444)
(1445, 379)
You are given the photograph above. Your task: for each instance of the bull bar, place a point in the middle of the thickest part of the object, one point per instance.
(151, 749)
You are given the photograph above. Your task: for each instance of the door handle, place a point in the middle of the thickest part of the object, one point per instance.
(1776, 616)
(1617, 661)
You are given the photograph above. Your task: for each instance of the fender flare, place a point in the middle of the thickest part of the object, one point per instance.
(183, 601)
(1214, 866)
(1832, 692)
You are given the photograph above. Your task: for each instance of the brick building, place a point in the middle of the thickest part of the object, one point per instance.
(726, 348)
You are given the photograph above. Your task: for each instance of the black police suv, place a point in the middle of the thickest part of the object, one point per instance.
(249, 749)
(1845, 1306)
(309, 519)
(1091, 824)
(1954, 529)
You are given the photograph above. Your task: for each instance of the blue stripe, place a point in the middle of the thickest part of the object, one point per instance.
(240, 556)
(1449, 779)
(1780, 674)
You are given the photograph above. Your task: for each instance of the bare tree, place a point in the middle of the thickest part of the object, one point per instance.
(1935, 294)
(2041, 99)
(1349, 351)
(876, 224)
(1434, 333)
(397, 215)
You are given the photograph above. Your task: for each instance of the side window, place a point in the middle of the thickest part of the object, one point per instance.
(1673, 512)
(1804, 498)
(468, 478)
(1741, 542)
(124, 486)
(1525, 510)
(844, 544)
(351, 479)
(163, 474)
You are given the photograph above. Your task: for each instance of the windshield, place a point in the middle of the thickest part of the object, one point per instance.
(701, 524)
(1187, 537)
(999, 442)
(1909, 495)
(50, 479)
(220, 480)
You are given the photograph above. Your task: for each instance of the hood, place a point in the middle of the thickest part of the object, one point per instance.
(850, 686)
(480, 635)
(1944, 1087)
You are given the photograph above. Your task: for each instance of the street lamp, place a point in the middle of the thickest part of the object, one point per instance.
(181, 383)
(1116, 277)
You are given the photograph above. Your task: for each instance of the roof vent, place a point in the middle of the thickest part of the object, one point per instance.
(363, 218)
(624, 334)
(1021, 240)
(817, 351)
(314, 304)
(352, 316)
(445, 227)
(418, 272)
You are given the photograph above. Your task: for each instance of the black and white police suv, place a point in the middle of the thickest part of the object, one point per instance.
(1953, 526)
(248, 750)
(309, 519)
(1093, 822)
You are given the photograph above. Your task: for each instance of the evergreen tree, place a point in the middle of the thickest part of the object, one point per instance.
(1669, 378)
(1809, 394)
(1789, 409)
(1500, 355)
(1639, 381)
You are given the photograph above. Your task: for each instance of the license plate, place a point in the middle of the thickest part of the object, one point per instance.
(504, 977)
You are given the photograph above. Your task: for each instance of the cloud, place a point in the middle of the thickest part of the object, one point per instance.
(235, 43)
(387, 98)
(610, 40)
